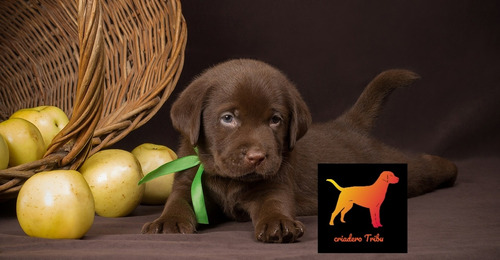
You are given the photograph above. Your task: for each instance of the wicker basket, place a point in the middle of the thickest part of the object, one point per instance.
(110, 65)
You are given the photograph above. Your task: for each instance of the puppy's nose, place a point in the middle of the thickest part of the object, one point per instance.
(255, 157)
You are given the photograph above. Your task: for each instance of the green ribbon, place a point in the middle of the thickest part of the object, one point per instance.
(181, 164)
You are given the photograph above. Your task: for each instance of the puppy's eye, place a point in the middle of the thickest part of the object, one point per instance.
(275, 121)
(228, 119)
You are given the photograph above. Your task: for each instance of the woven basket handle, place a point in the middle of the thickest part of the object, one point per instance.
(76, 137)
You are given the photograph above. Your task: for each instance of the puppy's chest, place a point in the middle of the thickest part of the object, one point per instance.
(229, 196)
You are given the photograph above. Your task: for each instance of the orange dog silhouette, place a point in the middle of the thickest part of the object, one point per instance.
(366, 196)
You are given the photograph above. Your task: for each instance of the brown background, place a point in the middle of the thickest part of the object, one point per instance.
(332, 49)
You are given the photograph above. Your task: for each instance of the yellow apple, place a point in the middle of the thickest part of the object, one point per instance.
(55, 204)
(4, 153)
(48, 119)
(152, 156)
(23, 139)
(112, 176)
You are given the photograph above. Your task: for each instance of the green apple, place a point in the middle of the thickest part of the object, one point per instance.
(113, 176)
(4, 153)
(24, 140)
(152, 156)
(55, 204)
(48, 119)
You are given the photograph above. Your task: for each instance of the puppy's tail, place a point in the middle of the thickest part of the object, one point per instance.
(335, 184)
(368, 106)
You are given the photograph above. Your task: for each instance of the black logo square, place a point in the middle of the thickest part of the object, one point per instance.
(368, 203)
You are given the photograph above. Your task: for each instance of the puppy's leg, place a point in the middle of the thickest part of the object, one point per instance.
(429, 172)
(375, 215)
(348, 206)
(272, 212)
(337, 210)
(178, 215)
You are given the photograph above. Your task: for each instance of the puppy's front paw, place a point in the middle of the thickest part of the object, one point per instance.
(169, 225)
(279, 230)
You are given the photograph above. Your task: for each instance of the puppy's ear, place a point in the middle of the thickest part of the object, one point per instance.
(187, 110)
(300, 117)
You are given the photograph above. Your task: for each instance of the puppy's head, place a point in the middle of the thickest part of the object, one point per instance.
(389, 177)
(243, 115)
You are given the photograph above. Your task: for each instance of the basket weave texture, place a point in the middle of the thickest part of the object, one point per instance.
(109, 65)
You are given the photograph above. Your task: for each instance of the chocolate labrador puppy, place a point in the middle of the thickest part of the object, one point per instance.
(260, 152)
